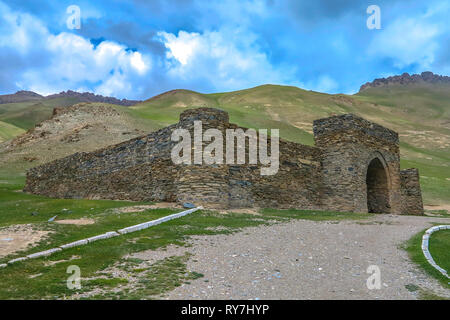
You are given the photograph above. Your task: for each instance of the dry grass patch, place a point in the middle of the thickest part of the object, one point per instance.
(19, 237)
(80, 222)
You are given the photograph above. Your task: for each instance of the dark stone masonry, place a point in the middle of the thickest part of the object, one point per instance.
(354, 166)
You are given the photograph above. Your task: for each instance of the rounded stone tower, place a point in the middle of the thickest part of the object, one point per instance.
(200, 183)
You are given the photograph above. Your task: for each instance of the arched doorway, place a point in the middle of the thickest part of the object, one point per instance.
(377, 187)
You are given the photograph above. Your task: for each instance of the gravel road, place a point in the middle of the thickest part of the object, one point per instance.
(305, 259)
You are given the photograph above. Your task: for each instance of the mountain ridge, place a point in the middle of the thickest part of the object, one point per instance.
(27, 96)
(407, 79)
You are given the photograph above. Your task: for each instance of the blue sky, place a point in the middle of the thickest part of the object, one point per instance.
(137, 49)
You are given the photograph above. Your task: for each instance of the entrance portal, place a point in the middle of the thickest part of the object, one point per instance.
(377, 188)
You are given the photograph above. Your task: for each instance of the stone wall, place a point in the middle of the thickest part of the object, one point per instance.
(337, 174)
(297, 183)
(411, 193)
(139, 169)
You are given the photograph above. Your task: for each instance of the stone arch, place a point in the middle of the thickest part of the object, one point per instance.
(378, 184)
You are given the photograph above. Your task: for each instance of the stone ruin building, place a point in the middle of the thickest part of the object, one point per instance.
(354, 167)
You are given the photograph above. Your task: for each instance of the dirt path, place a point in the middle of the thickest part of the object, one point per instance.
(19, 237)
(309, 260)
(438, 206)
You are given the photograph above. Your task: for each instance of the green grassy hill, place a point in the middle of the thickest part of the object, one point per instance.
(26, 114)
(419, 112)
(8, 131)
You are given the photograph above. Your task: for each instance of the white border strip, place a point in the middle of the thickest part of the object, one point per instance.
(426, 252)
(106, 235)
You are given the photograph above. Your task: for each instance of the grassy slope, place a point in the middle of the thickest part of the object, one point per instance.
(26, 114)
(8, 131)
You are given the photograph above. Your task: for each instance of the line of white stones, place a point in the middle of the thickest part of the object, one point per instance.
(106, 235)
(426, 252)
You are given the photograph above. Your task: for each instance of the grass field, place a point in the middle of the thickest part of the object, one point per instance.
(25, 115)
(439, 247)
(45, 278)
(9, 131)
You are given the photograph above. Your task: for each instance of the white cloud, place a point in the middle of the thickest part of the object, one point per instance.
(228, 59)
(324, 83)
(138, 62)
(412, 40)
(182, 47)
(116, 83)
(73, 61)
(19, 31)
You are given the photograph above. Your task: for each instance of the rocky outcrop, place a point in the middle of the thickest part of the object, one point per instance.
(406, 79)
(65, 124)
(90, 97)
